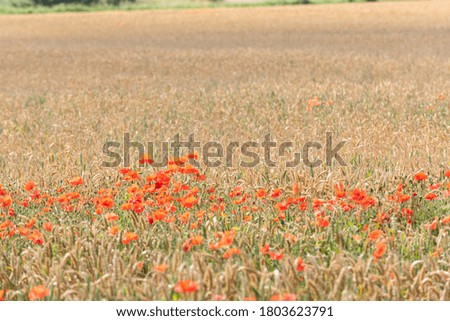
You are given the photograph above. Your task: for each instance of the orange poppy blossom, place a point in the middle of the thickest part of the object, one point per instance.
(192, 241)
(36, 237)
(433, 187)
(380, 250)
(260, 193)
(48, 226)
(161, 268)
(295, 188)
(157, 215)
(106, 202)
(290, 237)
(374, 235)
(399, 197)
(226, 239)
(276, 256)
(188, 201)
(300, 265)
(29, 186)
(76, 181)
(110, 217)
(322, 220)
(446, 220)
(128, 237)
(113, 230)
(5, 224)
(186, 286)
(421, 176)
(24, 231)
(431, 226)
(276, 192)
(430, 196)
(285, 297)
(38, 293)
(31, 222)
(438, 252)
(264, 249)
(5, 201)
(340, 191)
(236, 191)
(230, 252)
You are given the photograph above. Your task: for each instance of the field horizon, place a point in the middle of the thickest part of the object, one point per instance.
(27, 6)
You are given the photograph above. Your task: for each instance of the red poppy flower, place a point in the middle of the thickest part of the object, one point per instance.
(29, 186)
(76, 181)
(300, 266)
(186, 286)
(129, 236)
(380, 250)
(421, 176)
(38, 292)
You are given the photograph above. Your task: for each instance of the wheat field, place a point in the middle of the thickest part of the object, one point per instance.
(375, 75)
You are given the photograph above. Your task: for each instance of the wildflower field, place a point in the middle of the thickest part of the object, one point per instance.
(375, 76)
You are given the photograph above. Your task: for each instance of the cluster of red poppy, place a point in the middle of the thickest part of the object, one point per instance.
(181, 195)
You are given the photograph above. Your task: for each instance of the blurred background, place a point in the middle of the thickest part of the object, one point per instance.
(30, 6)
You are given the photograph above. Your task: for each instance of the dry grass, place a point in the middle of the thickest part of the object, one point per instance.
(70, 82)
